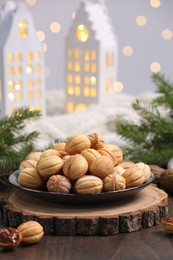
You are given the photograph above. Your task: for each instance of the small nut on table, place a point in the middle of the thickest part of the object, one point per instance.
(9, 237)
(32, 232)
(167, 223)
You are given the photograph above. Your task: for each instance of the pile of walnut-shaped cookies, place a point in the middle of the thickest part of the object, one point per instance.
(82, 165)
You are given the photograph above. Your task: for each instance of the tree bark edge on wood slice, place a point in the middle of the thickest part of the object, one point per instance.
(97, 224)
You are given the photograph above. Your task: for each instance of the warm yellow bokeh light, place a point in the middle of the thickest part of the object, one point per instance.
(41, 35)
(155, 67)
(167, 34)
(11, 96)
(127, 50)
(55, 27)
(155, 3)
(31, 2)
(118, 86)
(45, 47)
(82, 33)
(141, 20)
(29, 69)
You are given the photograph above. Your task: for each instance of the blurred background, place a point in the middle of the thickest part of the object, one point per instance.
(145, 39)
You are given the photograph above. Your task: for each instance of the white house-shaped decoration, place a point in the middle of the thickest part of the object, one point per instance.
(91, 57)
(22, 81)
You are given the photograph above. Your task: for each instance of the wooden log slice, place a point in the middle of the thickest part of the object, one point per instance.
(144, 210)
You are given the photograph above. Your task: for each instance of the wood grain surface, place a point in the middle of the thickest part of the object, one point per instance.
(150, 243)
(144, 210)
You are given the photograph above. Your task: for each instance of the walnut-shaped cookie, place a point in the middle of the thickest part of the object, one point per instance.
(146, 169)
(50, 152)
(88, 185)
(106, 152)
(134, 176)
(119, 170)
(90, 155)
(76, 143)
(34, 156)
(126, 164)
(49, 165)
(27, 164)
(29, 178)
(75, 167)
(97, 141)
(60, 147)
(114, 182)
(116, 151)
(102, 166)
(59, 183)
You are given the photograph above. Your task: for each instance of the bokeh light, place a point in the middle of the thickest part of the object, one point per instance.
(155, 3)
(155, 67)
(31, 2)
(167, 34)
(41, 35)
(118, 86)
(55, 27)
(141, 20)
(127, 50)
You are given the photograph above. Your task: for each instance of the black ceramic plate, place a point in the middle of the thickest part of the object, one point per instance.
(63, 198)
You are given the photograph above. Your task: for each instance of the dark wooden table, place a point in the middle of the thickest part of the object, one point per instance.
(153, 243)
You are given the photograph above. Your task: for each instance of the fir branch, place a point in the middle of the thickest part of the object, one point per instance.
(150, 140)
(15, 145)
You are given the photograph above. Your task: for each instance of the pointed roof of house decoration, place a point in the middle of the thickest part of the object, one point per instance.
(7, 16)
(101, 23)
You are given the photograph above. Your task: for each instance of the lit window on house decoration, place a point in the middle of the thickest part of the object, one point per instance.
(86, 91)
(29, 69)
(38, 82)
(19, 56)
(86, 66)
(11, 71)
(38, 68)
(18, 70)
(29, 56)
(80, 107)
(86, 80)
(106, 86)
(19, 96)
(31, 108)
(93, 55)
(70, 53)
(93, 68)
(77, 54)
(30, 83)
(86, 55)
(70, 65)
(112, 58)
(11, 96)
(23, 30)
(18, 85)
(82, 33)
(11, 85)
(39, 107)
(93, 92)
(70, 106)
(30, 95)
(69, 78)
(38, 94)
(37, 55)
(93, 80)
(77, 91)
(77, 66)
(77, 79)
(106, 60)
(70, 90)
(10, 57)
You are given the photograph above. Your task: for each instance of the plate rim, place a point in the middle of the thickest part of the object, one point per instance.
(13, 180)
